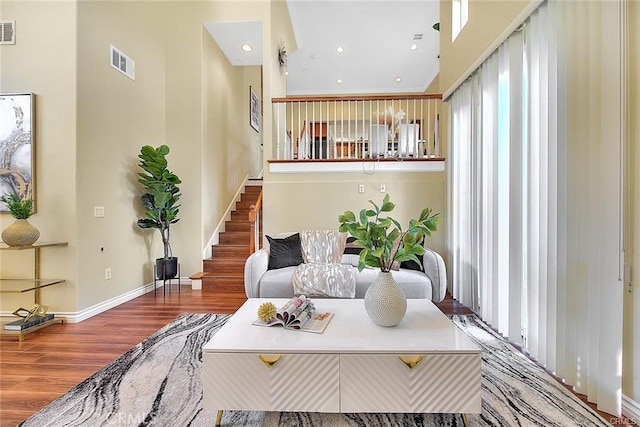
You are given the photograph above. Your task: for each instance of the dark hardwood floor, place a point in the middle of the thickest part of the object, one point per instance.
(51, 361)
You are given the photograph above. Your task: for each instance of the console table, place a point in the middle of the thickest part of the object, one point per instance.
(424, 365)
(18, 286)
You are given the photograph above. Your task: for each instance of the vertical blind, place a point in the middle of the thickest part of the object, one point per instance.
(535, 192)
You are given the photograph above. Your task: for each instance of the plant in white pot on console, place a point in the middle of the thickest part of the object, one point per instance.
(21, 232)
(384, 243)
(161, 202)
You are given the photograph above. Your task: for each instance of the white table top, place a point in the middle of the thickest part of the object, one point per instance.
(424, 329)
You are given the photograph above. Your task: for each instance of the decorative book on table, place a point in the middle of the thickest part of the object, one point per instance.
(299, 314)
(21, 325)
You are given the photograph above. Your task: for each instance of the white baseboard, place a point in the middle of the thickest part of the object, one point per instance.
(79, 316)
(631, 409)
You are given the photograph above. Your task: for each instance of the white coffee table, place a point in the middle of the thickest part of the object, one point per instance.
(423, 365)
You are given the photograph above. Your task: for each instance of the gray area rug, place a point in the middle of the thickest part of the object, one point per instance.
(158, 383)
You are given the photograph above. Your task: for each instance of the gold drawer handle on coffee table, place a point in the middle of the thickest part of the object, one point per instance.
(269, 359)
(410, 361)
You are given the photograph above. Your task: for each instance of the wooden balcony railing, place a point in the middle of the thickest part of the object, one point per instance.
(358, 127)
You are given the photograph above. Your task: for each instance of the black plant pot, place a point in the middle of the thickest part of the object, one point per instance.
(166, 268)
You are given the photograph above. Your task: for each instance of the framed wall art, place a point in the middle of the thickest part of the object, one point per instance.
(254, 109)
(17, 146)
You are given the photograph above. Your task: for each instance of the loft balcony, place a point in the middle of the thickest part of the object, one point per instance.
(343, 134)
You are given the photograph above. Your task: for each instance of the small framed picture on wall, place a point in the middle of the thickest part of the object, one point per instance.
(254, 109)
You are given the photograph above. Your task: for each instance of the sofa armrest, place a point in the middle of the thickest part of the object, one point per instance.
(255, 266)
(435, 269)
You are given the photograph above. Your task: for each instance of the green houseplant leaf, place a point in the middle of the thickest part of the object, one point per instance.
(161, 193)
(382, 237)
(19, 208)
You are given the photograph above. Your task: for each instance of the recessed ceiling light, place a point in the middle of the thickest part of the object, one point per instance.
(339, 81)
(286, 73)
(340, 49)
(398, 79)
(414, 46)
(246, 47)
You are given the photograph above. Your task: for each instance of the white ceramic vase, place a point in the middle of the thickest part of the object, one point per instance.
(384, 301)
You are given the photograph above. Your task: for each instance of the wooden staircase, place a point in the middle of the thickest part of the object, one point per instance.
(224, 270)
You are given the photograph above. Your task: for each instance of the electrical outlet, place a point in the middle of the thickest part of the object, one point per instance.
(107, 273)
(383, 188)
(361, 188)
(98, 211)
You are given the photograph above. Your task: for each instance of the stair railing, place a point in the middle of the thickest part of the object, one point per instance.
(254, 220)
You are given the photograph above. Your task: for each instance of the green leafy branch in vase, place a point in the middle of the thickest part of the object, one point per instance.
(382, 237)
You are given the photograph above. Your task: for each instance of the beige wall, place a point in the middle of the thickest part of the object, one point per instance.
(631, 337)
(309, 201)
(229, 140)
(300, 201)
(116, 116)
(46, 66)
(185, 94)
(487, 20)
(281, 31)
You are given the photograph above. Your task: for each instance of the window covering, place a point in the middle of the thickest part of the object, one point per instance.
(535, 192)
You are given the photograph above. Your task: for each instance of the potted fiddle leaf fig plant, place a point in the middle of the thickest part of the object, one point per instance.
(384, 243)
(21, 232)
(160, 199)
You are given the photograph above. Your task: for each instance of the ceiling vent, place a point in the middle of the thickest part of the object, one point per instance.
(7, 32)
(123, 63)
(417, 36)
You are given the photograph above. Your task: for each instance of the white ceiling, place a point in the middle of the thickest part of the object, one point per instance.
(230, 36)
(376, 36)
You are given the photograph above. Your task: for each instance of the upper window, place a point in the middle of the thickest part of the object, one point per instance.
(459, 16)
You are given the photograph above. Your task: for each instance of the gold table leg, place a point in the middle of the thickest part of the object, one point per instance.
(218, 418)
(465, 421)
(36, 274)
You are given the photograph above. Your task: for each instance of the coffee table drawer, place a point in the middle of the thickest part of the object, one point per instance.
(293, 382)
(385, 383)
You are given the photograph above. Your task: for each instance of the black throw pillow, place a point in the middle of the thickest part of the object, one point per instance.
(285, 252)
(412, 265)
(350, 248)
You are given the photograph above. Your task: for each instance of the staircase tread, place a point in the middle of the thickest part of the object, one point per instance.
(210, 275)
(230, 254)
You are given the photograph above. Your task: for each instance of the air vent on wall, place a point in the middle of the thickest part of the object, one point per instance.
(123, 63)
(7, 32)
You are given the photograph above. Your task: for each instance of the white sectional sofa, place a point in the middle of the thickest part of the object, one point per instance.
(260, 282)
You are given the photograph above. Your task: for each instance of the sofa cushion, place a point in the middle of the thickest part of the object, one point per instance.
(285, 252)
(326, 280)
(322, 246)
(277, 283)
